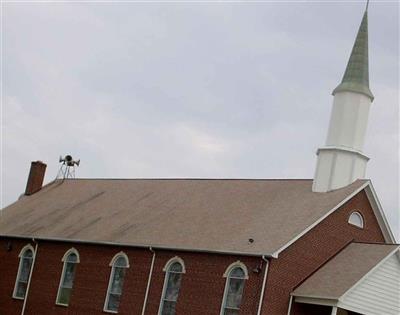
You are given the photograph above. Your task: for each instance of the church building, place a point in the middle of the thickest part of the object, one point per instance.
(211, 246)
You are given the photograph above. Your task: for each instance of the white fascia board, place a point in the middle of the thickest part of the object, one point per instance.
(369, 272)
(320, 219)
(316, 301)
(159, 247)
(379, 213)
(350, 308)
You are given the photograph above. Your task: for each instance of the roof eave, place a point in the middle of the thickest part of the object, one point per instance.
(159, 247)
(354, 87)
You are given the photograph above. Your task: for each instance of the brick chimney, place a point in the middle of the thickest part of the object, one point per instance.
(35, 179)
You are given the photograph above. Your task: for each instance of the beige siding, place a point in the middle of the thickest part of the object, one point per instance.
(378, 293)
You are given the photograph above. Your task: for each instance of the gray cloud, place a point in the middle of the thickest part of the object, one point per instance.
(190, 90)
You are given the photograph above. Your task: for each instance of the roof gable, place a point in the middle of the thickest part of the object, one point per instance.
(363, 278)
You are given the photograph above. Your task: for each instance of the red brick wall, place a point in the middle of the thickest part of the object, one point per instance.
(312, 250)
(202, 286)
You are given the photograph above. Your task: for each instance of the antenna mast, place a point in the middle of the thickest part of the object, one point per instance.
(67, 169)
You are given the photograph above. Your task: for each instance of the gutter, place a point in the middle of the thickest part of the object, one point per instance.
(207, 251)
(149, 280)
(260, 303)
(30, 277)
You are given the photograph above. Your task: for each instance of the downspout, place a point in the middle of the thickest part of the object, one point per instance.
(290, 305)
(149, 280)
(263, 285)
(30, 277)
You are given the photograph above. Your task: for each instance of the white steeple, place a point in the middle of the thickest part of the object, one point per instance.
(341, 161)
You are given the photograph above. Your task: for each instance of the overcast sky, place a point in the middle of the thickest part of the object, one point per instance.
(220, 90)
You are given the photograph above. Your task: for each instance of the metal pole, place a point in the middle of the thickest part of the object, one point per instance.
(29, 279)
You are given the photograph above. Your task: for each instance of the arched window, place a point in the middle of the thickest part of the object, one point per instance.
(172, 283)
(70, 259)
(236, 274)
(114, 292)
(24, 270)
(356, 219)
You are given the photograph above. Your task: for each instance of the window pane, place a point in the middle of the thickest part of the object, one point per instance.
(173, 285)
(237, 273)
(356, 219)
(113, 302)
(72, 258)
(21, 289)
(25, 269)
(65, 294)
(176, 267)
(118, 280)
(235, 292)
(120, 262)
(69, 275)
(231, 312)
(28, 254)
(168, 308)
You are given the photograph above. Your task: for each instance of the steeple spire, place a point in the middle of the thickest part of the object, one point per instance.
(356, 76)
(341, 161)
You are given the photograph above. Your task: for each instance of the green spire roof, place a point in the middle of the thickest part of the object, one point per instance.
(356, 77)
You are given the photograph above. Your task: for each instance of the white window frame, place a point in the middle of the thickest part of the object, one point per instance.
(226, 275)
(113, 260)
(358, 215)
(166, 270)
(63, 260)
(21, 253)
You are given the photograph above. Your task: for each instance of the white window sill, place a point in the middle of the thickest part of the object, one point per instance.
(18, 298)
(61, 304)
(109, 311)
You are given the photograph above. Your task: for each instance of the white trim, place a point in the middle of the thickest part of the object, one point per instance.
(30, 278)
(149, 280)
(234, 265)
(113, 260)
(21, 253)
(334, 310)
(136, 245)
(350, 308)
(226, 275)
(290, 305)
(23, 249)
(321, 219)
(70, 251)
(116, 256)
(345, 149)
(260, 303)
(357, 214)
(63, 260)
(315, 301)
(379, 213)
(172, 260)
(166, 270)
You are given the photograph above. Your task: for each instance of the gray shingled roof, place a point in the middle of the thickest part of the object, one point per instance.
(341, 273)
(212, 215)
